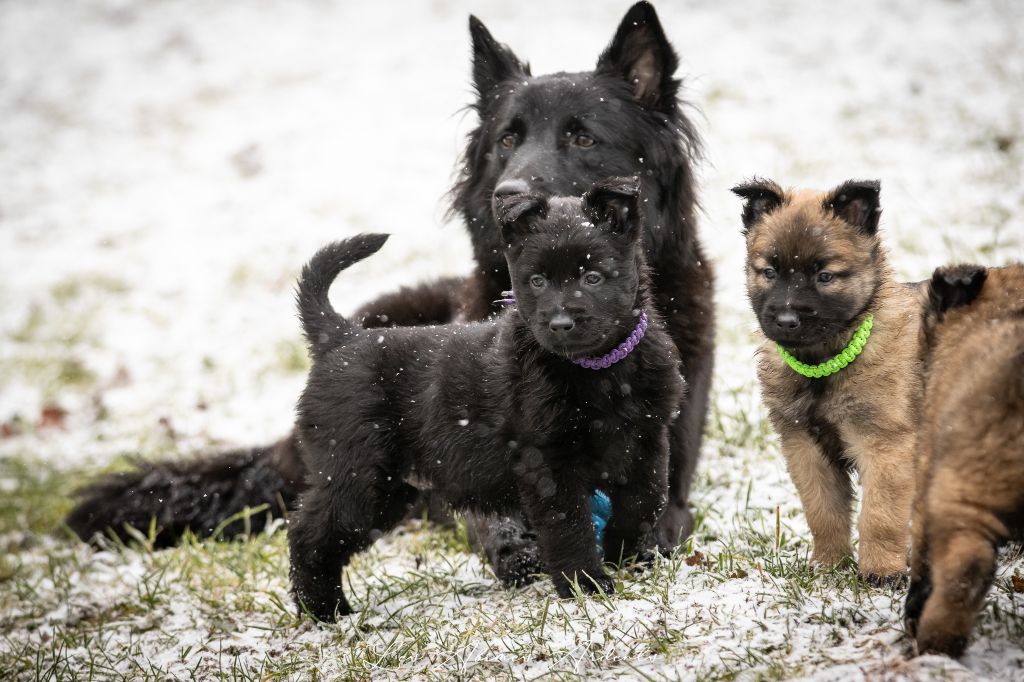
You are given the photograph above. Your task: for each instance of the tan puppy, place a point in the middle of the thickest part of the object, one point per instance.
(971, 449)
(816, 270)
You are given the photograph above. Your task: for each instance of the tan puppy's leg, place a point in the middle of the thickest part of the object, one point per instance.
(887, 476)
(826, 495)
(962, 567)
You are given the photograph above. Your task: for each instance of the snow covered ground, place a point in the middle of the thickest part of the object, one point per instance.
(166, 168)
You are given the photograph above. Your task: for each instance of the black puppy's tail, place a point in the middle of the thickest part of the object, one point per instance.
(324, 327)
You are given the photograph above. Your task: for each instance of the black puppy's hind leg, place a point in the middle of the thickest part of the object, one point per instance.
(335, 520)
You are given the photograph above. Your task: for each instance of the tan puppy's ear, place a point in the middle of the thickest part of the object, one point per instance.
(762, 196)
(857, 202)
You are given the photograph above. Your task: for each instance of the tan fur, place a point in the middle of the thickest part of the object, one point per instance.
(970, 458)
(872, 404)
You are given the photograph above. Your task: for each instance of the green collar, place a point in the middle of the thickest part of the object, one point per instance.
(845, 357)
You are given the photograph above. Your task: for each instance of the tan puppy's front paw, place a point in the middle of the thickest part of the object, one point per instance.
(882, 567)
(830, 555)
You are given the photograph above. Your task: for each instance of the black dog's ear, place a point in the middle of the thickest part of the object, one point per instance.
(516, 211)
(492, 61)
(955, 285)
(760, 197)
(642, 55)
(857, 202)
(615, 202)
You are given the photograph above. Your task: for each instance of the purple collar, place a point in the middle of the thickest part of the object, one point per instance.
(620, 351)
(611, 357)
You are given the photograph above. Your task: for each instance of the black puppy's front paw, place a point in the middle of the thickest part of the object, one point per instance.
(517, 566)
(511, 549)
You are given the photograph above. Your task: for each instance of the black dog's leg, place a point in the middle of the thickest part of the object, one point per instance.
(637, 502)
(334, 522)
(556, 507)
(509, 545)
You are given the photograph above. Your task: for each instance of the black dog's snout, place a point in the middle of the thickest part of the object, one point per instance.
(787, 319)
(507, 187)
(561, 323)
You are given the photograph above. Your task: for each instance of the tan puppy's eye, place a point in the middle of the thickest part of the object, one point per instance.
(824, 276)
(769, 273)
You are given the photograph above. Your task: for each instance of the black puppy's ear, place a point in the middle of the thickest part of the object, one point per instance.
(857, 202)
(955, 285)
(515, 212)
(492, 61)
(761, 197)
(615, 202)
(642, 55)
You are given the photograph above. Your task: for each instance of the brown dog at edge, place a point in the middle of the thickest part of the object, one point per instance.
(970, 465)
(815, 270)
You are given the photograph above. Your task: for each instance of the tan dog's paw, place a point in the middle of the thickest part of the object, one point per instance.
(828, 556)
(878, 568)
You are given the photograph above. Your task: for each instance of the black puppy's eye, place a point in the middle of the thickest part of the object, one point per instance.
(593, 278)
(584, 141)
(538, 281)
(509, 140)
(769, 273)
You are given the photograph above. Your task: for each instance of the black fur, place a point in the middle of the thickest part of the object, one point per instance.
(629, 106)
(493, 416)
(197, 495)
(954, 285)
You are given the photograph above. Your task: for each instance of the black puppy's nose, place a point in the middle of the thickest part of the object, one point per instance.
(787, 319)
(507, 187)
(561, 323)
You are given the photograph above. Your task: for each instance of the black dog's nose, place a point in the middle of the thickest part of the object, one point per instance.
(561, 323)
(787, 319)
(507, 187)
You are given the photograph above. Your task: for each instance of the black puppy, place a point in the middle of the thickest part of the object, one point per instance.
(571, 391)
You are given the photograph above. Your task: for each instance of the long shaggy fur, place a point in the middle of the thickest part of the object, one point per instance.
(192, 494)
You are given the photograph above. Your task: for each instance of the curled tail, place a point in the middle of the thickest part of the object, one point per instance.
(323, 326)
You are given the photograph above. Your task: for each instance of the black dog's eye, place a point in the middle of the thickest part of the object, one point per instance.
(509, 140)
(584, 141)
(769, 273)
(593, 278)
(824, 276)
(538, 281)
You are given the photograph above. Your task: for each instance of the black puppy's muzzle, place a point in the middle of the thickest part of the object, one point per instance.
(561, 324)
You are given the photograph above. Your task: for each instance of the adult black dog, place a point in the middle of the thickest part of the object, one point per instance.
(555, 134)
(570, 391)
